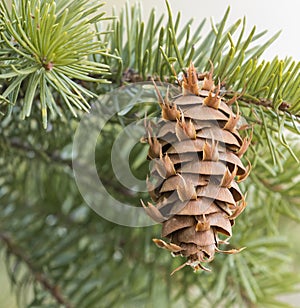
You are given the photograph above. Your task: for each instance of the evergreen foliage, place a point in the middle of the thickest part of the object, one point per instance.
(58, 251)
(46, 46)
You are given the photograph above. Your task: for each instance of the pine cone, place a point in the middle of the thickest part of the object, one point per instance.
(195, 166)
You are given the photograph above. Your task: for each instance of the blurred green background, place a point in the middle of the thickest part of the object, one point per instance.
(7, 297)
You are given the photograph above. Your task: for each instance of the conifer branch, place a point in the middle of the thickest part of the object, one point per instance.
(47, 47)
(38, 275)
(264, 102)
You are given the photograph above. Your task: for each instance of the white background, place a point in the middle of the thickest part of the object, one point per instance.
(265, 14)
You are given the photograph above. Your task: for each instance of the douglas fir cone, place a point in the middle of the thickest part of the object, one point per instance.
(195, 166)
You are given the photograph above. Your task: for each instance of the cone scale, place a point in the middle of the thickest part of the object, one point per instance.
(195, 168)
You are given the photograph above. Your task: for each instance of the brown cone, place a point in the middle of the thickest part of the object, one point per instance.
(196, 157)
